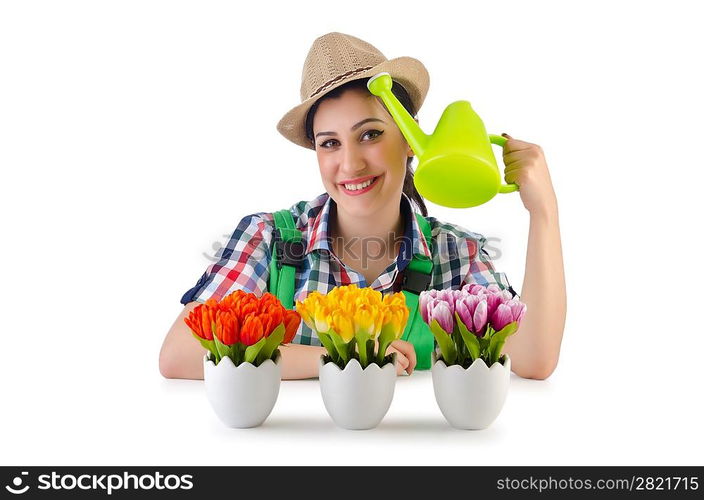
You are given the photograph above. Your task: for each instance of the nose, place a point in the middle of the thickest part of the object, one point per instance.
(353, 163)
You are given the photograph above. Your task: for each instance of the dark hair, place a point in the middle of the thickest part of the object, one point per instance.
(408, 187)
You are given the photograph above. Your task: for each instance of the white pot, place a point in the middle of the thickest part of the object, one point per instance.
(242, 396)
(471, 398)
(356, 398)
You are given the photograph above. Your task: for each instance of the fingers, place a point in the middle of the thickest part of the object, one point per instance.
(514, 145)
(411, 357)
(512, 173)
(401, 363)
(407, 349)
(522, 155)
(512, 177)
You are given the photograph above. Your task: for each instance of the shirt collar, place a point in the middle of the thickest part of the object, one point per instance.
(318, 237)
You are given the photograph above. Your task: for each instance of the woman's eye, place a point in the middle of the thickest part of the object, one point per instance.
(326, 143)
(374, 133)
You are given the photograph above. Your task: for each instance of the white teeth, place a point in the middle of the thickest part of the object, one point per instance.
(355, 187)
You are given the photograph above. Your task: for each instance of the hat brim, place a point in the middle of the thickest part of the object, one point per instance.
(407, 71)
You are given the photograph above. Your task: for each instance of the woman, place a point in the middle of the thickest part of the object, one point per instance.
(363, 229)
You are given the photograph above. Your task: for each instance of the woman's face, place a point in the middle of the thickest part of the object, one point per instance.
(357, 140)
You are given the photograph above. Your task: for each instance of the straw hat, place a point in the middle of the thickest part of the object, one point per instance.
(335, 59)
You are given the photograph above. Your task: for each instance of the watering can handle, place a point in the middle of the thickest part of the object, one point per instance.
(500, 141)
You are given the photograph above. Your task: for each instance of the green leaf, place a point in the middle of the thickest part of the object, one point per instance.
(351, 349)
(250, 354)
(484, 347)
(386, 337)
(471, 341)
(447, 346)
(238, 353)
(223, 350)
(498, 340)
(361, 338)
(272, 342)
(329, 346)
(340, 345)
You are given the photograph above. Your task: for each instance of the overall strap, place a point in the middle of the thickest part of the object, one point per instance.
(288, 254)
(416, 278)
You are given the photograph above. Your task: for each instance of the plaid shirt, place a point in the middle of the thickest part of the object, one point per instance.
(458, 258)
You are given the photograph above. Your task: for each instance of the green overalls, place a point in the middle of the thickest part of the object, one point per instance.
(289, 254)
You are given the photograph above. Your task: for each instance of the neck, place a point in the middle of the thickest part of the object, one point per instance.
(374, 236)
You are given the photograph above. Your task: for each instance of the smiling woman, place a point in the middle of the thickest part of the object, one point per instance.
(371, 227)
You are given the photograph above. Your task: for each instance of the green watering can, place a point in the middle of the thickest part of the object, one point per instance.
(457, 167)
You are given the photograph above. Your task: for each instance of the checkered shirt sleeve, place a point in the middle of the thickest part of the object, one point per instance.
(243, 264)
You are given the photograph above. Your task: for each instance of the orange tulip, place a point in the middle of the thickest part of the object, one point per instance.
(252, 330)
(227, 327)
(291, 321)
(268, 300)
(242, 317)
(195, 323)
(271, 318)
(206, 320)
(248, 306)
(235, 297)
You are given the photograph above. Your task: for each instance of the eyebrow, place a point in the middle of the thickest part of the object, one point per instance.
(354, 127)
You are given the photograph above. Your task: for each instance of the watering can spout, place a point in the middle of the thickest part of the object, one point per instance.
(380, 85)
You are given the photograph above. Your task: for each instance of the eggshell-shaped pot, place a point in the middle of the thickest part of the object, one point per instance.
(471, 398)
(356, 398)
(242, 396)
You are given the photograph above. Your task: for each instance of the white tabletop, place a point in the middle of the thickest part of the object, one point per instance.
(94, 415)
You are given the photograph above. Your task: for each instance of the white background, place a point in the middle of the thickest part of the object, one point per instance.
(135, 134)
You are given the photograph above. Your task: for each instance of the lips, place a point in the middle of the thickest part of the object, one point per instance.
(359, 180)
(361, 191)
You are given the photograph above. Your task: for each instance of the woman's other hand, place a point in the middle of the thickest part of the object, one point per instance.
(526, 166)
(405, 356)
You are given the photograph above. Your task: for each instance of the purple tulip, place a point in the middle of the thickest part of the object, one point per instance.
(448, 297)
(474, 289)
(501, 317)
(479, 319)
(472, 301)
(429, 307)
(425, 298)
(477, 306)
(464, 311)
(492, 301)
(441, 312)
(518, 309)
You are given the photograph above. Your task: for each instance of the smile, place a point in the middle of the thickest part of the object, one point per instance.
(357, 189)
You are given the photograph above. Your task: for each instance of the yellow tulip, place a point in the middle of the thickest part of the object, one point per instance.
(395, 299)
(395, 321)
(364, 319)
(352, 312)
(380, 313)
(306, 314)
(322, 318)
(342, 325)
(372, 296)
